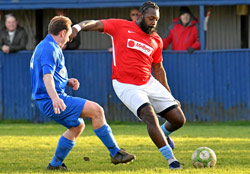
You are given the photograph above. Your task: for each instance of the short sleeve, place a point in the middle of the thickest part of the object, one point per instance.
(111, 26)
(157, 56)
(48, 61)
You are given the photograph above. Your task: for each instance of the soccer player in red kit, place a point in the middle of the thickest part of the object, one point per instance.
(136, 48)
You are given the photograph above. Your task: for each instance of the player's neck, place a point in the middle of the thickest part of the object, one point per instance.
(57, 39)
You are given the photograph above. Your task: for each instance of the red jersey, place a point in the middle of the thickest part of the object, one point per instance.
(133, 51)
(183, 37)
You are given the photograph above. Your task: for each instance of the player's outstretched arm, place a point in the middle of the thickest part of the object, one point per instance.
(91, 25)
(88, 25)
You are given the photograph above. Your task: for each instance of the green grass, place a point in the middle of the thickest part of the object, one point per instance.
(28, 148)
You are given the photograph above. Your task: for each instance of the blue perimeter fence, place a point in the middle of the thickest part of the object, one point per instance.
(211, 85)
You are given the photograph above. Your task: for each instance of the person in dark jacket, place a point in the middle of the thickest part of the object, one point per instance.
(183, 33)
(13, 38)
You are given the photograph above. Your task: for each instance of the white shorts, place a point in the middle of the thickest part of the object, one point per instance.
(153, 92)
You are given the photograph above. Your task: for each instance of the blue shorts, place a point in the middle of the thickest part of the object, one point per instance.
(68, 118)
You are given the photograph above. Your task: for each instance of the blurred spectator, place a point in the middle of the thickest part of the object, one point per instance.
(1, 14)
(134, 12)
(77, 40)
(12, 37)
(133, 16)
(183, 33)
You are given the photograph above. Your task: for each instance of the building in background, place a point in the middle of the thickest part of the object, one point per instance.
(226, 28)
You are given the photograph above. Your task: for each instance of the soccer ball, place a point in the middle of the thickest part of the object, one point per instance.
(203, 157)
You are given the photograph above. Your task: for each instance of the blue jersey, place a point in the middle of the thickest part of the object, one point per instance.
(47, 58)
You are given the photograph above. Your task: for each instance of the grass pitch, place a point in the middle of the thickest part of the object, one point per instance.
(28, 148)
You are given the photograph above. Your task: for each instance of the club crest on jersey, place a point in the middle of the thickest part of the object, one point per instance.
(139, 46)
(62, 72)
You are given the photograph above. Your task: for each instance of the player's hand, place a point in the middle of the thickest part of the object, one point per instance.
(190, 50)
(73, 83)
(73, 34)
(5, 49)
(179, 103)
(58, 104)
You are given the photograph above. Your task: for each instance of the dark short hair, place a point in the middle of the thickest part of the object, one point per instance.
(146, 5)
(184, 9)
(59, 23)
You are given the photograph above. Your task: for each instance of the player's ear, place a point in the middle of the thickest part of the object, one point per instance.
(140, 15)
(63, 33)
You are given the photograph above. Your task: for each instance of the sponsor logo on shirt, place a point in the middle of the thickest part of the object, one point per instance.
(129, 31)
(133, 44)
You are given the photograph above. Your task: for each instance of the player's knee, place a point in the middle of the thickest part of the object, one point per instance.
(76, 131)
(181, 120)
(151, 120)
(80, 128)
(98, 111)
(148, 116)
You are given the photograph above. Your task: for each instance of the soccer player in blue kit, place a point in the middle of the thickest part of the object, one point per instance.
(49, 78)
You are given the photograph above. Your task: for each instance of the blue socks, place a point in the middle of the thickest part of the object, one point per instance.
(166, 152)
(63, 148)
(165, 131)
(65, 145)
(106, 136)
